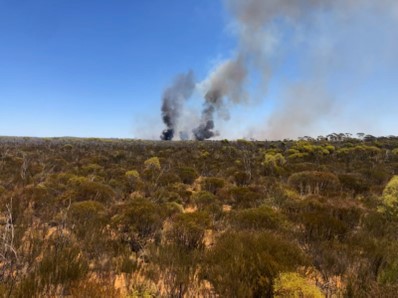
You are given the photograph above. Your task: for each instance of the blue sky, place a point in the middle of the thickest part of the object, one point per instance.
(97, 68)
(86, 68)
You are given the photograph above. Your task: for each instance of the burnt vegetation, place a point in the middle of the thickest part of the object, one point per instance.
(130, 218)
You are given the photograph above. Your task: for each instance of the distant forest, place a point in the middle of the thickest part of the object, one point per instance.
(314, 217)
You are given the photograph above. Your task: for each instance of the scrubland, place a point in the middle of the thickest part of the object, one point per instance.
(133, 218)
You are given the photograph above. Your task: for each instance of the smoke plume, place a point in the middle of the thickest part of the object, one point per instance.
(173, 100)
(331, 39)
(226, 81)
(256, 44)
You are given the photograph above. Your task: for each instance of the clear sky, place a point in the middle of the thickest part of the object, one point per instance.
(97, 68)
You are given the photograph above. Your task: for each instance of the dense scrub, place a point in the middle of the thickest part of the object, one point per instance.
(118, 218)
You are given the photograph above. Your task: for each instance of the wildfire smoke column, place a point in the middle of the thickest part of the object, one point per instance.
(225, 82)
(173, 100)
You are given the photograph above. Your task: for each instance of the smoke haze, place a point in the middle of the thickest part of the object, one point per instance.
(338, 41)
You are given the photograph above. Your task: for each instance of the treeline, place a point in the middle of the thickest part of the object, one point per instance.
(130, 218)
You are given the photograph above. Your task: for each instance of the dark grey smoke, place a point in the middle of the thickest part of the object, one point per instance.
(226, 82)
(205, 130)
(173, 100)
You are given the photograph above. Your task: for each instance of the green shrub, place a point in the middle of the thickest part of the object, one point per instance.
(40, 197)
(132, 175)
(88, 218)
(187, 175)
(321, 226)
(256, 219)
(245, 197)
(203, 199)
(241, 178)
(188, 230)
(354, 182)
(209, 203)
(212, 184)
(390, 193)
(245, 264)
(83, 189)
(168, 178)
(273, 162)
(152, 163)
(313, 182)
(178, 267)
(142, 216)
(294, 285)
(92, 169)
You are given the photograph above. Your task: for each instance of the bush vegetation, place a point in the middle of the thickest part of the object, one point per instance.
(130, 218)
